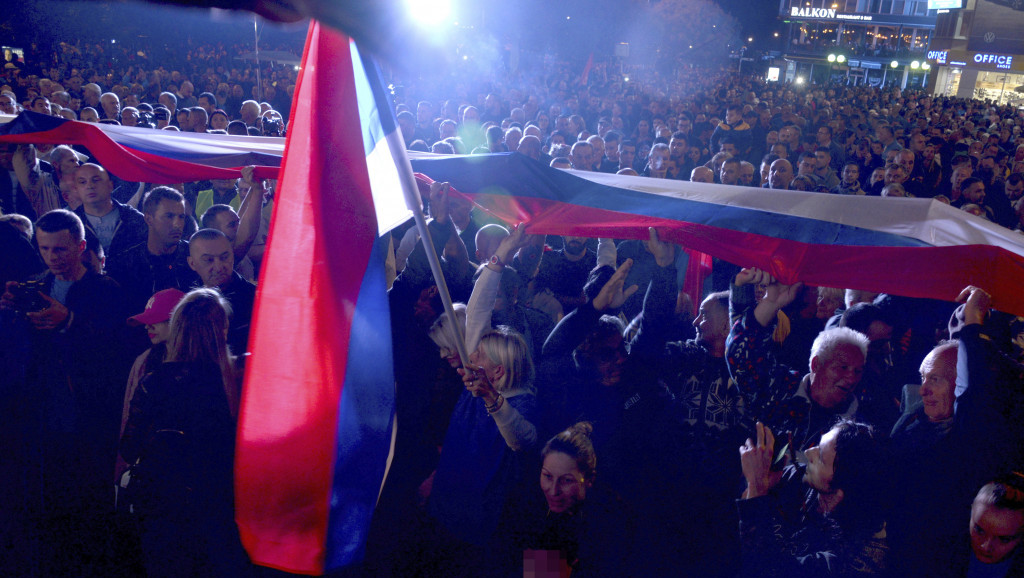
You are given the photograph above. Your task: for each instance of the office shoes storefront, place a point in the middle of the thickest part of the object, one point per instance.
(966, 74)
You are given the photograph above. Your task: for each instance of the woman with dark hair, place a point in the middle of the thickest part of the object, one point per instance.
(578, 527)
(180, 436)
(819, 519)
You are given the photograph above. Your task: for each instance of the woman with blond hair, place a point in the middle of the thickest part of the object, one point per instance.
(180, 437)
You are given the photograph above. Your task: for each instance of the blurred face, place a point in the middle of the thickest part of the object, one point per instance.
(626, 154)
(90, 115)
(130, 117)
(730, 173)
(1015, 190)
(807, 166)
(835, 374)
(609, 356)
(938, 383)
(895, 174)
(995, 532)
(823, 159)
(702, 175)
(7, 105)
(562, 483)
(659, 158)
(780, 175)
(851, 174)
(960, 174)
(490, 369)
(212, 259)
(167, 222)
(93, 184)
(746, 174)
(975, 193)
(677, 148)
(41, 105)
(69, 165)
(821, 461)
(712, 321)
(61, 253)
(907, 162)
(158, 332)
(219, 122)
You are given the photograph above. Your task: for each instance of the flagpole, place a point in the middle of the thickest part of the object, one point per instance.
(412, 200)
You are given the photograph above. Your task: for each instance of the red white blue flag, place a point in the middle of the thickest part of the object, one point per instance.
(315, 424)
(911, 247)
(148, 155)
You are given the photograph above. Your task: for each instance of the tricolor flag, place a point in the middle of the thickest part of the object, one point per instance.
(911, 247)
(148, 155)
(315, 423)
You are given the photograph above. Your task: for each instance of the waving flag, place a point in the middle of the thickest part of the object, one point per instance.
(911, 247)
(315, 423)
(147, 155)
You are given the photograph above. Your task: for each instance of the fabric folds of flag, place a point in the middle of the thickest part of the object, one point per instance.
(910, 247)
(315, 424)
(148, 155)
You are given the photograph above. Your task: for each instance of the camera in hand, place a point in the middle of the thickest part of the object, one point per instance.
(146, 120)
(271, 127)
(27, 298)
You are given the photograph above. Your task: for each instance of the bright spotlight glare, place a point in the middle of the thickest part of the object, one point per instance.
(465, 57)
(799, 80)
(840, 59)
(428, 12)
(625, 78)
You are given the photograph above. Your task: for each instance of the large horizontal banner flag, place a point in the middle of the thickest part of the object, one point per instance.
(911, 247)
(148, 155)
(314, 430)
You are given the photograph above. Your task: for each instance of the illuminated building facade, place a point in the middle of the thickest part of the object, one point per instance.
(978, 51)
(857, 41)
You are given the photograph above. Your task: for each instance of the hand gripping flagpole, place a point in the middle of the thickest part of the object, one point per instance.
(412, 200)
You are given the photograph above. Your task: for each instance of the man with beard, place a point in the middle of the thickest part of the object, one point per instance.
(564, 271)
(161, 261)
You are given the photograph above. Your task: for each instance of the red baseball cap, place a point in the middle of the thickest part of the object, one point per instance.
(159, 307)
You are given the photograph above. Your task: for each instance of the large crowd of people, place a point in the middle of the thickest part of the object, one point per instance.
(613, 418)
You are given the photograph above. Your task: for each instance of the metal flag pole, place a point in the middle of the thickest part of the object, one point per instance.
(412, 200)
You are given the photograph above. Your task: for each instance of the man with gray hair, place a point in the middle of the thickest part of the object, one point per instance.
(91, 95)
(785, 399)
(110, 106)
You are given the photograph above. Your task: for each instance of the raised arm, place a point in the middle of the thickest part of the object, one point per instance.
(249, 213)
(762, 379)
(573, 328)
(485, 291)
(659, 301)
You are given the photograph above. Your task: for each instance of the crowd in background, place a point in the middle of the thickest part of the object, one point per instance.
(606, 421)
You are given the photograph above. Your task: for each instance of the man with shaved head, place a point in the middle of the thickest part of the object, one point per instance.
(117, 227)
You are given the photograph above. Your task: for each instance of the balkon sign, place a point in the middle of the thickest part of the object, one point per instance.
(813, 12)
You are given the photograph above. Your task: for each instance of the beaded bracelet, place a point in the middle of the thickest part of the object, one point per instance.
(496, 405)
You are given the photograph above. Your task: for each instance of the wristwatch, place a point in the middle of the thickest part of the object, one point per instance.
(495, 261)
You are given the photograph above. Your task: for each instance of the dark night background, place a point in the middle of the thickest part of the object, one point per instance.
(594, 25)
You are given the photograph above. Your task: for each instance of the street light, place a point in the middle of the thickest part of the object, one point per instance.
(894, 64)
(915, 65)
(831, 57)
(840, 59)
(926, 66)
